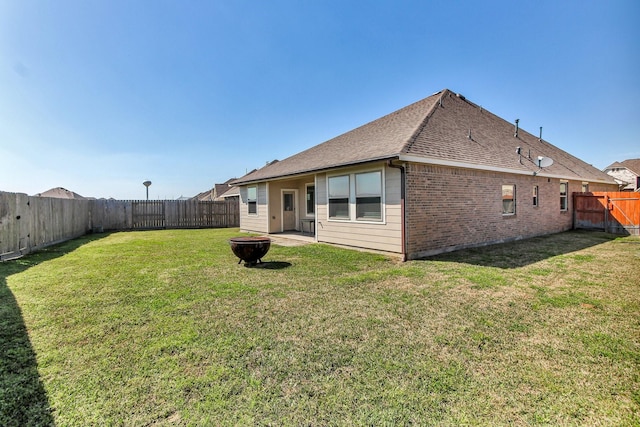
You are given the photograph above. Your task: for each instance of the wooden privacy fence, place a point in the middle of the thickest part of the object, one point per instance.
(28, 223)
(613, 212)
(158, 214)
(184, 214)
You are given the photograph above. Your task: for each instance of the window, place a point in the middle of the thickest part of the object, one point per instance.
(508, 199)
(339, 197)
(357, 196)
(311, 200)
(369, 196)
(585, 187)
(252, 200)
(564, 188)
(287, 202)
(535, 195)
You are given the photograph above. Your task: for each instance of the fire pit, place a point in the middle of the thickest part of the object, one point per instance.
(250, 249)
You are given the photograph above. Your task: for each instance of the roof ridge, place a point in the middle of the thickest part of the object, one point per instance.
(614, 164)
(423, 123)
(435, 128)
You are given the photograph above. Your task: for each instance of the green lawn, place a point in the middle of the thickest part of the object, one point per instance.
(165, 328)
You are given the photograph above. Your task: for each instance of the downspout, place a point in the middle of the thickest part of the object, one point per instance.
(402, 206)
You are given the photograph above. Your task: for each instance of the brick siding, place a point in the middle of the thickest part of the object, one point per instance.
(452, 208)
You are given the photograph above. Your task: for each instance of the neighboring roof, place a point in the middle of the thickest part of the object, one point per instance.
(231, 192)
(632, 164)
(222, 188)
(613, 166)
(204, 196)
(215, 192)
(443, 128)
(61, 193)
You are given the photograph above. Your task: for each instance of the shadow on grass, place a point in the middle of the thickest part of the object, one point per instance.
(524, 252)
(23, 399)
(270, 265)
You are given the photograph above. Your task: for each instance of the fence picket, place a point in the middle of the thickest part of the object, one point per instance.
(613, 212)
(29, 223)
(157, 214)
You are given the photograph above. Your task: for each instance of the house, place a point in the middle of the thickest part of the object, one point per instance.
(231, 193)
(217, 192)
(626, 174)
(438, 175)
(61, 193)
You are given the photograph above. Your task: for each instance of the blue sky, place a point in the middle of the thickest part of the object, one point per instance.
(99, 96)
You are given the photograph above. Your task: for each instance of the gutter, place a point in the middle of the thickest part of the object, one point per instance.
(240, 181)
(413, 159)
(402, 205)
(458, 164)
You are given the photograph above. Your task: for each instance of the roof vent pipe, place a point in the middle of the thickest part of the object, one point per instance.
(516, 132)
(540, 138)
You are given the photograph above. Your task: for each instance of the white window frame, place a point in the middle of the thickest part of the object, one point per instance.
(365, 195)
(564, 196)
(513, 199)
(252, 201)
(585, 187)
(352, 197)
(536, 196)
(306, 202)
(348, 197)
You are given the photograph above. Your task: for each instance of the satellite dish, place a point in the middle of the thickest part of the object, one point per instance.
(544, 162)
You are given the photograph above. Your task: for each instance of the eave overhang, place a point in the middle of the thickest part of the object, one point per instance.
(422, 160)
(311, 171)
(464, 165)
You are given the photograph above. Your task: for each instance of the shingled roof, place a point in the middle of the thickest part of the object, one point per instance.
(215, 192)
(632, 164)
(443, 128)
(61, 193)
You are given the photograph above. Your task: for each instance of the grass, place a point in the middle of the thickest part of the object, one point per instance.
(165, 328)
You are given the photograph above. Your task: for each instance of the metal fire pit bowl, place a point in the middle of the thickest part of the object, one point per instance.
(250, 249)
